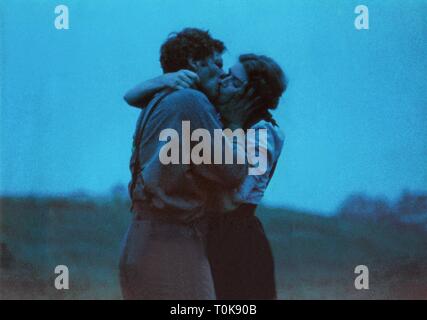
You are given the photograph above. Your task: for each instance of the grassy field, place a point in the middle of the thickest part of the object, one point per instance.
(315, 256)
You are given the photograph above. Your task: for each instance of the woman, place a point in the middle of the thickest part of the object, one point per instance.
(238, 249)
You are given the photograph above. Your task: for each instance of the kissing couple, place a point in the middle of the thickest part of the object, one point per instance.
(194, 233)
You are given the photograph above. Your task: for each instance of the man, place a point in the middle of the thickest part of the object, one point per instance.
(164, 252)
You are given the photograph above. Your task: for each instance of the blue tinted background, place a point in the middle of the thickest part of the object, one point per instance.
(354, 115)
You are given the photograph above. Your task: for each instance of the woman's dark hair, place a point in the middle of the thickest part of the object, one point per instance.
(266, 77)
(189, 43)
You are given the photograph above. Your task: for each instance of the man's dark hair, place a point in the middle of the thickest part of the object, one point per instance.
(189, 43)
(266, 77)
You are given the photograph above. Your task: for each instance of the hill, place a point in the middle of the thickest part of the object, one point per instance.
(315, 256)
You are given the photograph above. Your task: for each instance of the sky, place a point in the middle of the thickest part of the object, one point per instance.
(354, 114)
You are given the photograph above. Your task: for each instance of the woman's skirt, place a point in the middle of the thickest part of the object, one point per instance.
(240, 256)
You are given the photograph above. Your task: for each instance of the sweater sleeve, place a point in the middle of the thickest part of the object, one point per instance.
(208, 147)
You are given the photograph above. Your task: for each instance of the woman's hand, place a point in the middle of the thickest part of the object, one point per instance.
(179, 80)
(143, 92)
(239, 109)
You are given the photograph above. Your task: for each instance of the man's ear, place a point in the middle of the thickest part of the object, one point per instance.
(195, 65)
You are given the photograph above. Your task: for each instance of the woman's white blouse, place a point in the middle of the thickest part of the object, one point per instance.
(253, 187)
